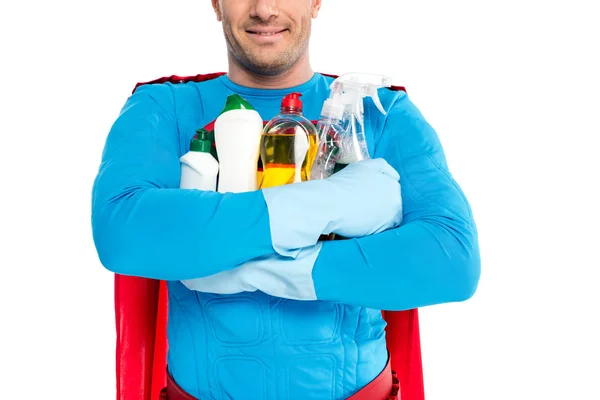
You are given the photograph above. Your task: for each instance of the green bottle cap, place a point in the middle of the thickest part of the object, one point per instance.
(201, 142)
(236, 102)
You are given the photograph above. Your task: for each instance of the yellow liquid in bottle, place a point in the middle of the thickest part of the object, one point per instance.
(278, 157)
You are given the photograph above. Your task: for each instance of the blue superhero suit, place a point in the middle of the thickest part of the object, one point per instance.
(255, 344)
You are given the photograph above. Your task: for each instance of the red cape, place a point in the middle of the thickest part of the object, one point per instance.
(141, 322)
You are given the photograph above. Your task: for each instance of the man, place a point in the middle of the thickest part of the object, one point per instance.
(301, 319)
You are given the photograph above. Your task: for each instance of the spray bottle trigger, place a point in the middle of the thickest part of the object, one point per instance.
(373, 94)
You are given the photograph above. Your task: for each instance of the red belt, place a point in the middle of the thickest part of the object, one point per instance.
(384, 387)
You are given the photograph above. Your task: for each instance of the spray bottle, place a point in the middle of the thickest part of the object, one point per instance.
(341, 133)
(349, 90)
(199, 169)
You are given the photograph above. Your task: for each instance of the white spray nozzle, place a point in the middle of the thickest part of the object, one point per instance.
(333, 107)
(353, 87)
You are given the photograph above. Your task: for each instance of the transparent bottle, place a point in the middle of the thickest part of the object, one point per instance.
(329, 139)
(352, 141)
(350, 89)
(288, 145)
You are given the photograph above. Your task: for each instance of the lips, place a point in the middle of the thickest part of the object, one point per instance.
(266, 32)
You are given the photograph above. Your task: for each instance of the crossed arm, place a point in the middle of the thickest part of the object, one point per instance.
(143, 225)
(431, 258)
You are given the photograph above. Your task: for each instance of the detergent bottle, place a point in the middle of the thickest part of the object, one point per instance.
(350, 90)
(288, 146)
(199, 169)
(237, 132)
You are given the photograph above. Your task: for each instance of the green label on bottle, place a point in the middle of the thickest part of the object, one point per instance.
(338, 167)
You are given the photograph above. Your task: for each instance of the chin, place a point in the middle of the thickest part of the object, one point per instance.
(268, 69)
(273, 64)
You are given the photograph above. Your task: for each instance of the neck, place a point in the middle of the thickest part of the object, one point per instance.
(299, 73)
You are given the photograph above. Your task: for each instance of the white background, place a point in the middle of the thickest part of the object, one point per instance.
(512, 87)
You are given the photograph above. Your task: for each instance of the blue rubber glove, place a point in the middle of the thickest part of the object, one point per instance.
(362, 199)
(274, 275)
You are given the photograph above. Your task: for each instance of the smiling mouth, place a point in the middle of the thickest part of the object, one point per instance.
(259, 33)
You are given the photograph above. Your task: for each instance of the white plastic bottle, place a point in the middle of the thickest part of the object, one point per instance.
(199, 169)
(238, 131)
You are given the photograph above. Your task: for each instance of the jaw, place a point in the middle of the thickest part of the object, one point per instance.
(267, 62)
(265, 49)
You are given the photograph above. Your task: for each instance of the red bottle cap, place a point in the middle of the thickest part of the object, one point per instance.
(292, 100)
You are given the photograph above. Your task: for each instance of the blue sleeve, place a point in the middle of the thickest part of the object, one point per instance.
(144, 225)
(433, 257)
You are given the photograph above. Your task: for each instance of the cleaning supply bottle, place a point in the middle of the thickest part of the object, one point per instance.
(350, 89)
(237, 132)
(341, 126)
(199, 169)
(288, 146)
(329, 131)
